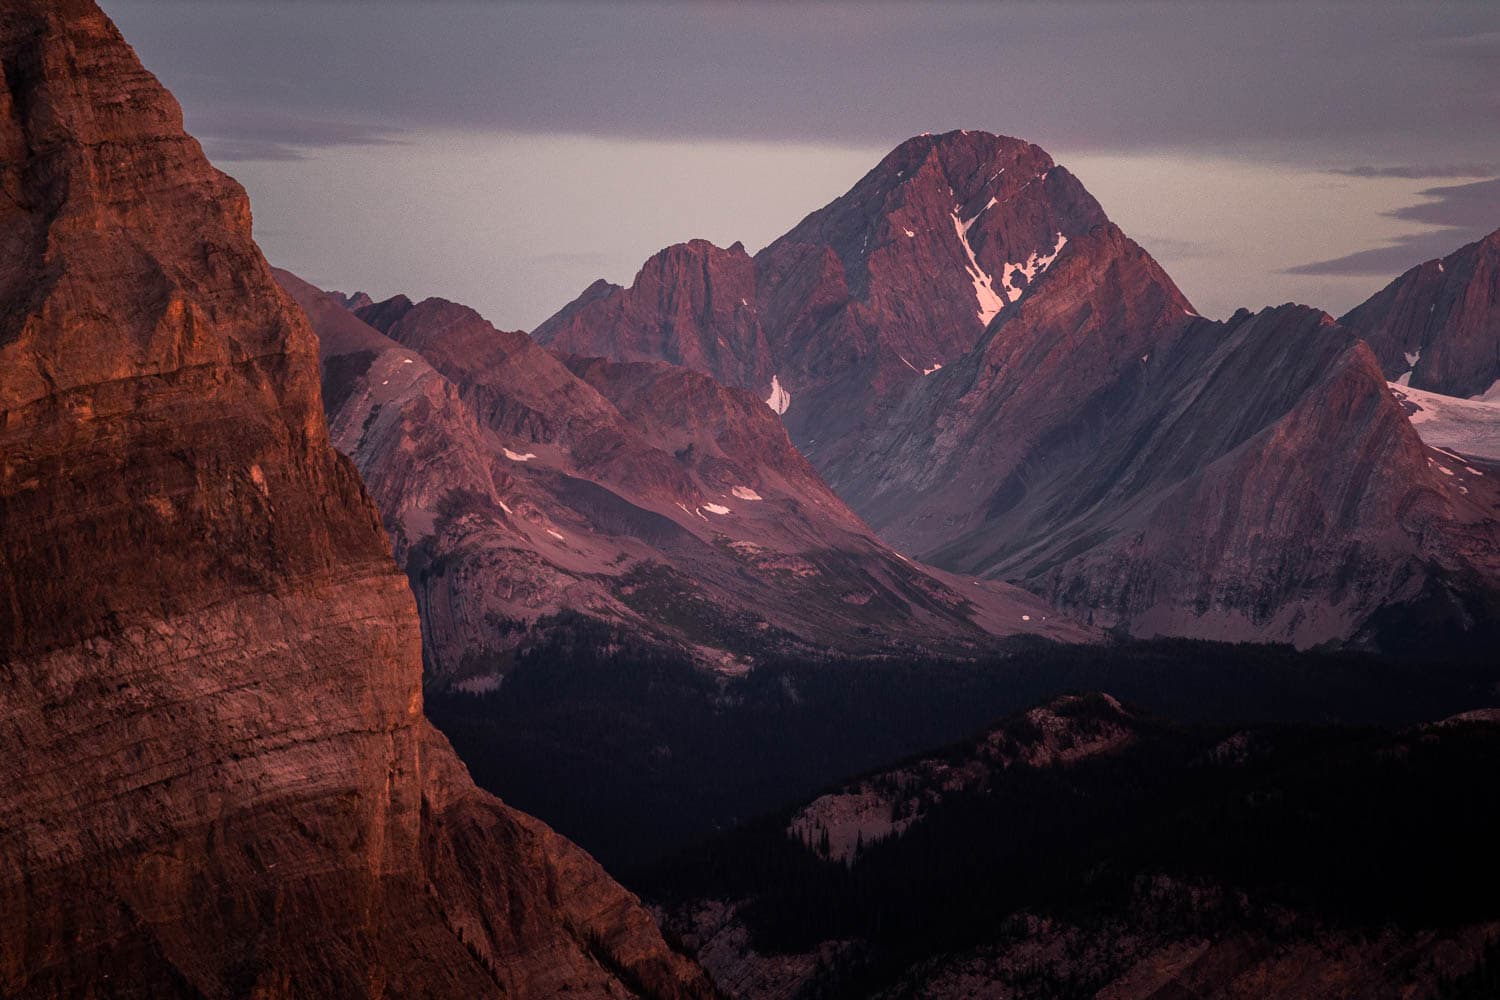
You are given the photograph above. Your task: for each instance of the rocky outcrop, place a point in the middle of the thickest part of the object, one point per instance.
(1437, 327)
(518, 486)
(692, 305)
(218, 779)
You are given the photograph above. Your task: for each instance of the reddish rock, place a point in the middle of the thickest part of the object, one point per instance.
(218, 778)
(1248, 480)
(1437, 327)
(518, 485)
(1068, 441)
(848, 309)
(691, 305)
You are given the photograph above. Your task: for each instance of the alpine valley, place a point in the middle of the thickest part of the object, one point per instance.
(930, 604)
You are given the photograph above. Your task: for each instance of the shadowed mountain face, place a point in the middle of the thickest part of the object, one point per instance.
(1081, 431)
(1085, 848)
(218, 778)
(1437, 327)
(519, 485)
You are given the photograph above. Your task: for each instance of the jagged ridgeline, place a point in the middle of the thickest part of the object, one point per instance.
(1001, 383)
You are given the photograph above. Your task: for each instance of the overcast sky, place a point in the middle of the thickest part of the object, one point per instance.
(507, 154)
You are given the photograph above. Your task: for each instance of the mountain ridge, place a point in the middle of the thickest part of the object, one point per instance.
(1045, 442)
(634, 492)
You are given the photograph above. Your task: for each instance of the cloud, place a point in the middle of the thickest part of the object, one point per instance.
(1171, 248)
(1420, 171)
(242, 135)
(1082, 75)
(1461, 206)
(1463, 213)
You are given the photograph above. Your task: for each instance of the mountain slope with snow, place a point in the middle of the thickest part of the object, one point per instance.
(519, 485)
(1001, 382)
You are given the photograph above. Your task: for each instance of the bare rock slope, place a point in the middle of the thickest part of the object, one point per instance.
(218, 779)
(520, 485)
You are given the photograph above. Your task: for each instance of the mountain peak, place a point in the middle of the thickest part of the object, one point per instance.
(692, 304)
(1434, 328)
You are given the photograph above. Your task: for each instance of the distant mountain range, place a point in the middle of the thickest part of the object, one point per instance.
(1003, 384)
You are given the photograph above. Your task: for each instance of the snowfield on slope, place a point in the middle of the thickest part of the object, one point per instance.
(1468, 426)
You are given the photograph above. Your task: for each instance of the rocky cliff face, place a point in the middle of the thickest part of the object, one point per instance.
(219, 781)
(692, 305)
(1002, 383)
(519, 485)
(1437, 327)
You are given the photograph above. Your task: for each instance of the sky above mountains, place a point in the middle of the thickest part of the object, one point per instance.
(508, 154)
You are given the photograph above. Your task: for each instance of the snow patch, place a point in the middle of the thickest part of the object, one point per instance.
(554, 534)
(984, 291)
(935, 368)
(504, 507)
(406, 361)
(746, 493)
(1412, 357)
(1460, 427)
(715, 508)
(516, 456)
(908, 232)
(1032, 267)
(907, 363)
(779, 399)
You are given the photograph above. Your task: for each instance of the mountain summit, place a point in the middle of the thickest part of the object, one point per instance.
(890, 282)
(1001, 382)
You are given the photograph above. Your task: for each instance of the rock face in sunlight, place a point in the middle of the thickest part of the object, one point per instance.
(692, 305)
(1002, 383)
(218, 777)
(1437, 327)
(519, 485)
(852, 306)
